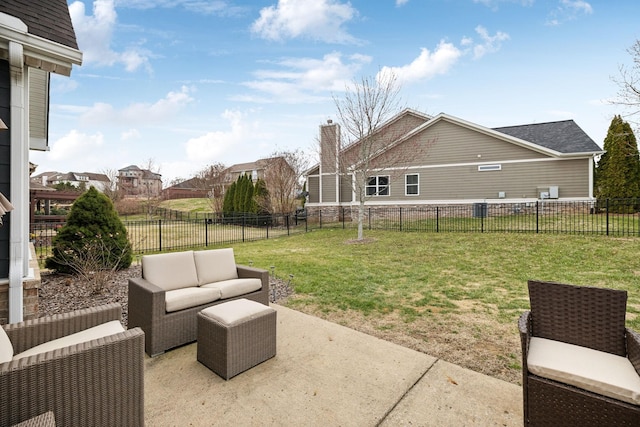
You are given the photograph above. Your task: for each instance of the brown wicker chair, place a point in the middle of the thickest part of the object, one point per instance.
(587, 317)
(95, 383)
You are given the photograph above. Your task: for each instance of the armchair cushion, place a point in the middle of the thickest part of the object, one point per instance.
(105, 329)
(6, 348)
(215, 265)
(235, 287)
(179, 299)
(596, 371)
(171, 270)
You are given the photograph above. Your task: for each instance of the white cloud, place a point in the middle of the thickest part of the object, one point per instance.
(204, 7)
(493, 4)
(401, 2)
(139, 113)
(427, 64)
(130, 134)
(321, 20)
(75, 145)
(569, 10)
(95, 32)
(212, 146)
(296, 80)
(490, 43)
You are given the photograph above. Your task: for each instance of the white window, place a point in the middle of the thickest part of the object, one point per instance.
(411, 184)
(488, 168)
(378, 186)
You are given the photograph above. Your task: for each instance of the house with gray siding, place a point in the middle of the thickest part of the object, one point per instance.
(36, 39)
(443, 160)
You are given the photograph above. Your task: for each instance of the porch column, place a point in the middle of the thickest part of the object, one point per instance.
(18, 234)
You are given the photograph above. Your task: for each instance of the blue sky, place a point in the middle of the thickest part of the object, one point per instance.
(186, 83)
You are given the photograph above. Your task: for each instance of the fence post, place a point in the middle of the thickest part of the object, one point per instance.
(607, 210)
(160, 235)
(286, 220)
(320, 217)
(437, 219)
(369, 218)
(342, 207)
(206, 232)
(244, 223)
(400, 218)
(537, 217)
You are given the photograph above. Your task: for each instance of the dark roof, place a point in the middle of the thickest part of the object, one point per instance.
(48, 19)
(564, 137)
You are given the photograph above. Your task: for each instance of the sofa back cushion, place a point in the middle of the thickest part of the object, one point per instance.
(170, 271)
(215, 265)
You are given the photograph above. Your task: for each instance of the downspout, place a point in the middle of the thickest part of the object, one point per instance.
(18, 234)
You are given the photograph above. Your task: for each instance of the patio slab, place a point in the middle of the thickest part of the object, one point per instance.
(326, 374)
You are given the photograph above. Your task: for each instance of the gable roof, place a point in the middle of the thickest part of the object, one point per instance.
(48, 19)
(563, 136)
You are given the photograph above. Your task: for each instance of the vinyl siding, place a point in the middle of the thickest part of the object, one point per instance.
(38, 108)
(447, 143)
(346, 189)
(313, 187)
(517, 180)
(329, 188)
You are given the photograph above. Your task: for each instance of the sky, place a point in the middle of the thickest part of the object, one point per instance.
(177, 85)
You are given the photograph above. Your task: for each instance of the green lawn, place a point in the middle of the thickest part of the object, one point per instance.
(457, 296)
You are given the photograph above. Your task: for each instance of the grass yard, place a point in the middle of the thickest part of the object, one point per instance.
(456, 296)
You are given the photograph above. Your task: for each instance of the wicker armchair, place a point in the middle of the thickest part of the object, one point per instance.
(94, 383)
(587, 317)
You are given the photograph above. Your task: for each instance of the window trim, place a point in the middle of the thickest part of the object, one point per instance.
(378, 188)
(406, 185)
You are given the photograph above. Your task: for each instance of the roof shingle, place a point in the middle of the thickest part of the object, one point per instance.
(564, 136)
(48, 19)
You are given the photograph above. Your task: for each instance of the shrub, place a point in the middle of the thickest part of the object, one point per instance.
(93, 241)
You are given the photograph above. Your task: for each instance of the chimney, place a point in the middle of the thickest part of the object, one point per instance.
(329, 147)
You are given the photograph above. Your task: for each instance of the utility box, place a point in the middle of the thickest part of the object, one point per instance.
(553, 191)
(479, 210)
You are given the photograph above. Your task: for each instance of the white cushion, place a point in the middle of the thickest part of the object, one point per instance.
(6, 348)
(235, 287)
(179, 299)
(236, 311)
(596, 371)
(215, 265)
(170, 271)
(100, 331)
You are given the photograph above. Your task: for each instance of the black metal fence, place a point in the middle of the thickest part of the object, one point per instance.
(612, 217)
(157, 235)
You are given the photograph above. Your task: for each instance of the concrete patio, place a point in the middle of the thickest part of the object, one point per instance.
(325, 374)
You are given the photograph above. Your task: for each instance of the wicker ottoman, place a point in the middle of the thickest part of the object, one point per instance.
(235, 336)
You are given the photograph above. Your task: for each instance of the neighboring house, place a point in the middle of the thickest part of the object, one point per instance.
(77, 179)
(36, 39)
(256, 170)
(133, 181)
(453, 161)
(191, 188)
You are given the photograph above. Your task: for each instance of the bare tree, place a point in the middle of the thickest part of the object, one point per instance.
(111, 190)
(212, 179)
(151, 186)
(629, 83)
(282, 176)
(364, 112)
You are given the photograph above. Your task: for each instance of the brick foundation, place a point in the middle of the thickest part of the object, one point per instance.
(30, 290)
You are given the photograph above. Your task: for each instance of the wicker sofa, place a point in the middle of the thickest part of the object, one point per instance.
(99, 382)
(174, 287)
(580, 365)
